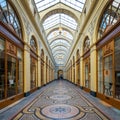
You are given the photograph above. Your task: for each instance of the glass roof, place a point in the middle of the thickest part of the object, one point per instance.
(75, 4)
(60, 18)
(60, 26)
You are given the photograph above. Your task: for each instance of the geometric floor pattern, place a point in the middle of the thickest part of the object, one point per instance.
(60, 101)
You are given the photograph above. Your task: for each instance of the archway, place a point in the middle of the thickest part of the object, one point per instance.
(60, 74)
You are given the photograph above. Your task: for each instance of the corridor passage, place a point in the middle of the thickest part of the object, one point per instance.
(60, 100)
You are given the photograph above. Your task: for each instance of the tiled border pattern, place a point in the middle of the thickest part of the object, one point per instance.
(40, 107)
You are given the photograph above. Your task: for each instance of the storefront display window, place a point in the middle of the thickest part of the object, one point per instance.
(100, 71)
(20, 70)
(117, 67)
(33, 73)
(2, 68)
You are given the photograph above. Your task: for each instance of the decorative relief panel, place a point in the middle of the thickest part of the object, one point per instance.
(11, 48)
(108, 49)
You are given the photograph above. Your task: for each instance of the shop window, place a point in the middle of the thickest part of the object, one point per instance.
(12, 84)
(33, 44)
(42, 67)
(117, 67)
(33, 73)
(2, 68)
(11, 76)
(100, 71)
(20, 70)
(105, 69)
(8, 16)
(108, 75)
(87, 72)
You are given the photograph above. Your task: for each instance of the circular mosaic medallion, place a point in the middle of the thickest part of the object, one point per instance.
(60, 97)
(60, 111)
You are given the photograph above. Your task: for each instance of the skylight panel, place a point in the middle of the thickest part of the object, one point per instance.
(74, 4)
(58, 48)
(44, 4)
(60, 19)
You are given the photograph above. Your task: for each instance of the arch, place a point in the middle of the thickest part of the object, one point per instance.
(55, 11)
(58, 29)
(60, 74)
(67, 47)
(57, 47)
(58, 52)
(11, 17)
(58, 39)
(108, 18)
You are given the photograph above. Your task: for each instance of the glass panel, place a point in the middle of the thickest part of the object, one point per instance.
(33, 73)
(60, 19)
(100, 71)
(60, 42)
(11, 76)
(7, 15)
(2, 69)
(110, 17)
(108, 69)
(117, 68)
(59, 48)
(86, 76)
(75, 4)
(58, 52)
(87, 73)
(20, 71)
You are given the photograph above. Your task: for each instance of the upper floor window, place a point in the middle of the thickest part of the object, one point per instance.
(86, 45)
(33, 44)
(8, 15)
(110, 17)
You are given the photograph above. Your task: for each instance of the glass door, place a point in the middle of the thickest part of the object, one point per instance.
(11, 76)
(108, 75)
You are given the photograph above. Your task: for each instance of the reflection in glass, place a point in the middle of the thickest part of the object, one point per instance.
(100, 71)
(11, 76)
(33, 73)
(20, 71)
(117, 67)
(108, 69)
(2, 68)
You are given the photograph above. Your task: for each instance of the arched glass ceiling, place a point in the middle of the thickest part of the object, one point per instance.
(61, 19)
(75, 4)
(58, 52)
(63, 33)
(60, 26)
(59, 47)
(60, 42)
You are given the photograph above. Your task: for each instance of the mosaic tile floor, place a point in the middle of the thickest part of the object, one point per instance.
(60, 101)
